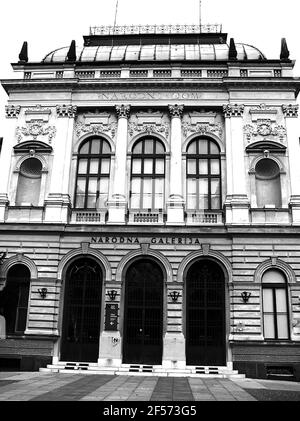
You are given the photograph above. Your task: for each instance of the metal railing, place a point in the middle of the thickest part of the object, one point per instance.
(155, 29)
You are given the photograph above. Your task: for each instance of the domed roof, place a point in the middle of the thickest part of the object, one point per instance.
(155, 52)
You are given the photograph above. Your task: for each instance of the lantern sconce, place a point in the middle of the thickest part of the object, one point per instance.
(112, 294)
(2, 257)
(174, 295)
(245, 296)
(43, 292)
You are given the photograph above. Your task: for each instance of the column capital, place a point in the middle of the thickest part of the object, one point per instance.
(290, 110)
(123, 111)
(66, 111)
(233, 110)
(176, 110)
(12, 111)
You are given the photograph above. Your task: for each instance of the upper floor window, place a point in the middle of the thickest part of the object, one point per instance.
(93, 170)
(29, 182)
(267, 180)
(147, 186)
(14, 299)
(203, 174)
(275, 305)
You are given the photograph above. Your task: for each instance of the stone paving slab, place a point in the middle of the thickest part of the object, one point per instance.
(35, 386)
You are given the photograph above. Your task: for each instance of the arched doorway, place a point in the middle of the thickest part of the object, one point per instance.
(143, 318)
(14, 299)
(205, 314)
(82, 311)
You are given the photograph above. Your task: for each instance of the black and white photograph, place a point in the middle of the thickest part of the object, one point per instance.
(149, 204)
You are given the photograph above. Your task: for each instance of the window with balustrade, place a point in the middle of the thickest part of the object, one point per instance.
(275, 305)
(93, 172)
(203, 175)
(147, 184)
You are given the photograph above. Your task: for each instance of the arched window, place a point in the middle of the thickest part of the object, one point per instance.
(93, 171)
(267, 179)
(29, 182)
(147, 175)
(203, 173)
(14, 299)
(275, 305)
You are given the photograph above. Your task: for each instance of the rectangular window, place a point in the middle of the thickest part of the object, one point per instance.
(275, 313)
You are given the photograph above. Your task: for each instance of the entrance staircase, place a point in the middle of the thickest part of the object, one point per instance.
(143, 370)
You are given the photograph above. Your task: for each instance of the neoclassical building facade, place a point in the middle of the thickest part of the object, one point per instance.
(150, 207)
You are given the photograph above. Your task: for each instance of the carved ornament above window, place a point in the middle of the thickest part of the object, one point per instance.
(35, 129)
(264, 128)
(202, 129)
(96, 129)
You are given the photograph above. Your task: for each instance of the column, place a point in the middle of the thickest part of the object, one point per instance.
(237, 202)
(58, 203)
(175, 204)
(118, 199)
(290, 113)
(9, 128)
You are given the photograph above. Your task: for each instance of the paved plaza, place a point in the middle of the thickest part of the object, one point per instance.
(36, 386)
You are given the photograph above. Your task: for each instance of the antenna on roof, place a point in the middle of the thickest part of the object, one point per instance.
(116, 12)
(200, 17)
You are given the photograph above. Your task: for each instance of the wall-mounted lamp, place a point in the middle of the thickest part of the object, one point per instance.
(2, 257)
(174, 296)
(245, 296)
(112, 294)
(43, 292)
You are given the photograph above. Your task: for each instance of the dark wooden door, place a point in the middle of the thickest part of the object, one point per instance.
(205, 315)
(82, 312)
(143, 320)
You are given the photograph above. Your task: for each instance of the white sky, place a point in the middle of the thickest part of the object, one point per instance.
(47, 25)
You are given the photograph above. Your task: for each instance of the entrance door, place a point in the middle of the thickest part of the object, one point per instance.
(82, 312)
(205, 315)
(143, 313)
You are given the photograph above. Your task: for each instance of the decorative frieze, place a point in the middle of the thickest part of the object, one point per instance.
(12, 111)
(176, 110)
(123, 111)
(290, 110)
(34, 130)
(96, 129)
(66, 111)
(233, 110)
(262, 111)
(202, 129)
(264, 128)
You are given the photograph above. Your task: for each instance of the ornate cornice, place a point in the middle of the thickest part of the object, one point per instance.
(290, 110)
(233, 110)
(12, 111)
(176, 110)
(264, 128)
(123, 111)
(34, 130)
(100, 128)
(66, 111)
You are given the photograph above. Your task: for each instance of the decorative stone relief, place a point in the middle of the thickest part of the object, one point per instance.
(37, 113)
(264, 128)
(34, 130)
(262, 111)
(233, 110)
(12, 111)
(66, 111)
(176, 110)
(96, 129)
(149, 122)
(123, 111)
(202, 128)
(290, 110)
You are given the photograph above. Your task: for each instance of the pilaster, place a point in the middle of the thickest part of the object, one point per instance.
(117, 203)
(57, 204)
(290, 113)
(11, 113)
(237, 202)
(175, 204)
